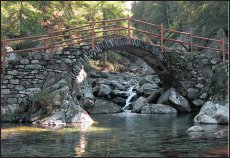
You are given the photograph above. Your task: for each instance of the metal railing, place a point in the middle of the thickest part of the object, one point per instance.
(93, 32)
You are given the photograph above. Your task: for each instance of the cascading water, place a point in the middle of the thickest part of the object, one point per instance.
(130, 94)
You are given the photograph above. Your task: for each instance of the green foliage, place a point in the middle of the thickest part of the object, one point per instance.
(41, 98)
(24, 18)
(181, 15)
(25, 45)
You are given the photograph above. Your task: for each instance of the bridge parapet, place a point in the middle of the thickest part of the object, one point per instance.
(94, 32)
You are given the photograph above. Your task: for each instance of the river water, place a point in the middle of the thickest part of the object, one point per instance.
(123, 134)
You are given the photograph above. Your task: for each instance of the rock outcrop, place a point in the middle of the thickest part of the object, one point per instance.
(212, 113)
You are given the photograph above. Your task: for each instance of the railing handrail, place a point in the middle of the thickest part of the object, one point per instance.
(93, 27)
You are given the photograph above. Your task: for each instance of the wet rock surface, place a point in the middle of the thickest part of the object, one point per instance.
(212, 113)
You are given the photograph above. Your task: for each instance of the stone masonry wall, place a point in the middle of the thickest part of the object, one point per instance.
(197, 76)
(25, 75)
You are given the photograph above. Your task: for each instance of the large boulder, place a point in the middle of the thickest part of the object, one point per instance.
(147, 88)
(157, 109)
(163, 99)
(105, 107)
(154, 96)
(179, 102)
(212, 113)
(147, 79)
(138, 104)
(118, 93)
(104, 90)
(174, 99)
(55, 106)
(119, 101)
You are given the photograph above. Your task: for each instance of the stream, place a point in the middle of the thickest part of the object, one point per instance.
(123, 134)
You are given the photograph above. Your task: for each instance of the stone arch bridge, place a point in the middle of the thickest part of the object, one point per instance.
(193, 74)
(149, 53)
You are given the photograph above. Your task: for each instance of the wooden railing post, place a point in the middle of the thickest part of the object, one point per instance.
(223, 49)
(92, 34)
(129, 34)
(3, 60)
(162, 37)
(191, 42)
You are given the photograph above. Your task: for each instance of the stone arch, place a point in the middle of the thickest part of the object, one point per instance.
(149, 53)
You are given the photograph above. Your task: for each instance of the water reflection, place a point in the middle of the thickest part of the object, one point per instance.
(82, 143)
(117, 135)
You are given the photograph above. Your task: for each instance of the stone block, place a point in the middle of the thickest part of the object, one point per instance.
(10, 86)
(33, 66)
(7, 76)
(5, 91)
(19, 66)
(5, 81)
(37, 56)
(19, 87)
(14, 81)
(40, 76)
(33, 89)
(35, 61)
(13, 72)
(24, 61)
(34, 71)
(24, 83)
(12, 100)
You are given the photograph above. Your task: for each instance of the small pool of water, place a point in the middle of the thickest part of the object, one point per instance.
(124, 134)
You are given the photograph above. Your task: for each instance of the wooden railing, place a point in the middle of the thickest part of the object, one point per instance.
(94, 32)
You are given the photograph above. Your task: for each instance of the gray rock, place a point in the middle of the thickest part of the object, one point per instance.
(119, 101)
(147, 79)
(67, 61)
(146, 89)
(19, 87)
(87, 91)
(117, 85)
(33, 89)
(203, 95)
(34, 61)
(192, 93)
(118, 93)
(82, 117)
(104, 90)
(154, 96)
(179, 102)
(157, 109)
(24, 61)
(198, 102)
(87, 104)
(105, 107)
(13, 72)
(139, 103)
(37, 56)
(163, 99)
(50, 80)
(33, 66)
(12, 100)
(5, 91)
(14, 81)
(213, 113)
(194, 129)
(7, 76)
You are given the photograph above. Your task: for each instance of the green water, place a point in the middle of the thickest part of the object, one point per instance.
(115, 135)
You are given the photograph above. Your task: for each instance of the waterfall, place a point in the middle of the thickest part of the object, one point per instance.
(130, 94)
